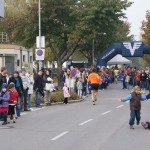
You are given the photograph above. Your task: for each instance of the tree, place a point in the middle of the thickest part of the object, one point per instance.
(146, 34)
(68, 25)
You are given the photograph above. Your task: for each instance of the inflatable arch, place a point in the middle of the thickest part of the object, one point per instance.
(126, 49)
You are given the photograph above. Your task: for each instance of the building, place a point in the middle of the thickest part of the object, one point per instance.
(1, 8)
(15, 57)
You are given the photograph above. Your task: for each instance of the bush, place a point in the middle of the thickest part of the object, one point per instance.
(56, 97)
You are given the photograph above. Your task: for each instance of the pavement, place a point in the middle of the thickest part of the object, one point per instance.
(79, 126)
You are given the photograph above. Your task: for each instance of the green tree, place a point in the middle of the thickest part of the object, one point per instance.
(68, 25)
(146, 35)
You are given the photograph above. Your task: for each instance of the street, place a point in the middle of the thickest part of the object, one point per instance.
(79, 126)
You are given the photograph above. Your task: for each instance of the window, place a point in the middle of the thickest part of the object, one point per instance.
(24, 58)
(30, 59)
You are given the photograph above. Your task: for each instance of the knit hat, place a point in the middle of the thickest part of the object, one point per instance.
(4, 86)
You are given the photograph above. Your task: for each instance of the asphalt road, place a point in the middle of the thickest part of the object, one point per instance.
(79, 126)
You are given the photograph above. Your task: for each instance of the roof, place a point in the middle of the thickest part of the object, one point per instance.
(118, 59)
(12, 46)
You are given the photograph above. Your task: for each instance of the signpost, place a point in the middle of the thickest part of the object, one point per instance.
(40, 54)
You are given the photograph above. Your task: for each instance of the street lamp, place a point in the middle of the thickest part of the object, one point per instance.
(40, 62)
(93, 51)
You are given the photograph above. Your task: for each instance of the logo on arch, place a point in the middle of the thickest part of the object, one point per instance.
(132, 49)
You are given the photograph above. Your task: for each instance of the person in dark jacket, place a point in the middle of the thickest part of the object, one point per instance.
(135, 99)
(16, 79)
(3, 74)
(39, 88)
(4, 102)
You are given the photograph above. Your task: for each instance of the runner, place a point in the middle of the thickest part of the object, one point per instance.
(94, 80)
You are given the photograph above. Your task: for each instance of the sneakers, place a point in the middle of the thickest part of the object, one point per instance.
(93, 102)
(131, 127)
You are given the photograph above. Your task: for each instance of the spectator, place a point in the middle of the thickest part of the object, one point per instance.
(47, 87)
(3, 74)
(66, 93)
(16, 79)
(12, 101)
(143, 77)
(4, 101)
(30, 91)
(38, 87)
(79, 87)
(25, 81)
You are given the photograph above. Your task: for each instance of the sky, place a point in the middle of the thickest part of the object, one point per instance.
(136, 14)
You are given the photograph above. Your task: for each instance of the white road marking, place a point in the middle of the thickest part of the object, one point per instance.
(106, 112)
(119, 106)
(127, 101)
(81, 124)
(59, 136)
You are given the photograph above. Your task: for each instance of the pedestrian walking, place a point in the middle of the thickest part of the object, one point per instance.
(39, 88)
(25, 82)
(66, 93)
(4, 103)
(13, 101)
(135, 99)
(16, 79)
(30, 91)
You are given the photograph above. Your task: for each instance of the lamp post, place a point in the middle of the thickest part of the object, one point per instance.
(93, 56)
(40, 62)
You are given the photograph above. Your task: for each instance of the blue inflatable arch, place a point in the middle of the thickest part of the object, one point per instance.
(126, 49)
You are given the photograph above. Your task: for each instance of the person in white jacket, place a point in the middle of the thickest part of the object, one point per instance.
(30, 91)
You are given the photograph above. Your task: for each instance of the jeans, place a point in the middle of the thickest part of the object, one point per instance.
(18, 106)
(38, 99)
(134, 114)
(29, 101)
(127, 85)
(25, 99)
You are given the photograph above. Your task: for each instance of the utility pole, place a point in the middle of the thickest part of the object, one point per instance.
(93, 50)
(40, 62)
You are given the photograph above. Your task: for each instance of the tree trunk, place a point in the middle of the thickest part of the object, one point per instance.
(59, 63)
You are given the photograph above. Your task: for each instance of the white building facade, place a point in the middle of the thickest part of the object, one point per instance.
(15, 57)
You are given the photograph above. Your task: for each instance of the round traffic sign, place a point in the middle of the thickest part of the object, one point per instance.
(39, 52)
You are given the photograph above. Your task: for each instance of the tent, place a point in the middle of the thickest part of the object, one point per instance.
(118, 59)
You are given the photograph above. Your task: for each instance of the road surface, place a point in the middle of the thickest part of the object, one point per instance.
(79, 126)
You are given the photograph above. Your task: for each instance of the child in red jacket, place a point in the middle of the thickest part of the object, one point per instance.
(13, 101)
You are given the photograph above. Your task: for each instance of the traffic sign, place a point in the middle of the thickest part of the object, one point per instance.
(40, 54)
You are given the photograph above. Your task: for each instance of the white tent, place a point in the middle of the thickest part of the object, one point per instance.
(118, 59)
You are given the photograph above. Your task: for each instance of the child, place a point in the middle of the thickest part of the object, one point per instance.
(4, 100)
(66, 93)
(135, 105)
(80, 87)
(13, 100)
(146, 125)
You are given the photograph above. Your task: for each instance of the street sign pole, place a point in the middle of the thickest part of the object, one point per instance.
(40, 62)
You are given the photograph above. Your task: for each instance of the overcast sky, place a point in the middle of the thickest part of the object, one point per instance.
(135, 14)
